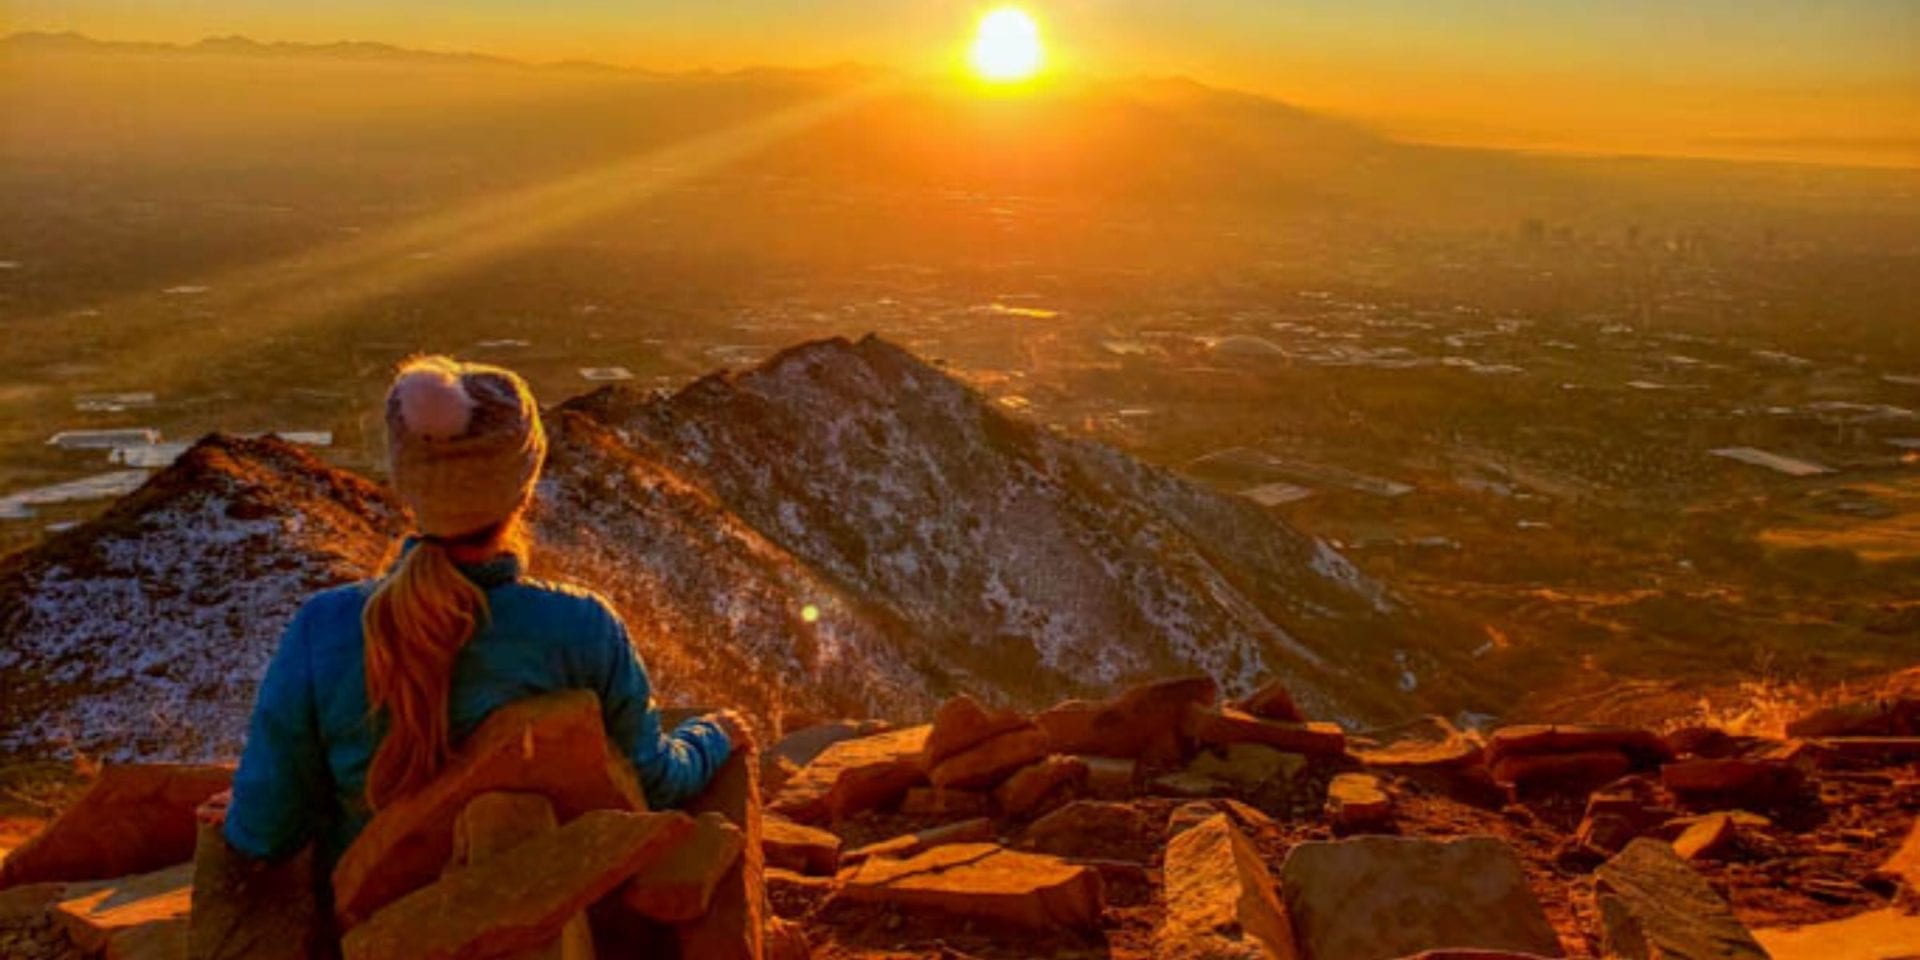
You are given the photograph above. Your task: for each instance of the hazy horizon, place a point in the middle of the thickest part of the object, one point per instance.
(1838, 84)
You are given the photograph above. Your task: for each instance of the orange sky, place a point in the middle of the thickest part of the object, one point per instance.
(1837, 81)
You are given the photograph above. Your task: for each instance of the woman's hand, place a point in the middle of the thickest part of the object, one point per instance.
(739, 729)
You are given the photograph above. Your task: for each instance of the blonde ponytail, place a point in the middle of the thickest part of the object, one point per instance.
(416, 623)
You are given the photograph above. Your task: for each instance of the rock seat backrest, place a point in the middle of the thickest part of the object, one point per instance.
(554, 746)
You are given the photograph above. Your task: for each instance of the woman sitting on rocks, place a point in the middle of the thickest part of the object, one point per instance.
(375, 683)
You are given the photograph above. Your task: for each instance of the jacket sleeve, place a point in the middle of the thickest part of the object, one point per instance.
(674, 767)
(282, 785)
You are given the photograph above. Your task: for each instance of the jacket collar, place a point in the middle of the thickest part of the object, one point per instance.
(499, 571)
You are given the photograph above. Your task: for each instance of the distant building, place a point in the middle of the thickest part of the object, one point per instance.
(1773, 461)
(1276, 494)
(103, 439)
(606, 374)
(1242, 345)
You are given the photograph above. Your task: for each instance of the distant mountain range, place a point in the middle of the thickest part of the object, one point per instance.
(841, 530)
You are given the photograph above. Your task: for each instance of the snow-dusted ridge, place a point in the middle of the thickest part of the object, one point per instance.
(841, 530)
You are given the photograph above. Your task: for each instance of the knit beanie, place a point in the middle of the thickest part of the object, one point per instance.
(464, 443)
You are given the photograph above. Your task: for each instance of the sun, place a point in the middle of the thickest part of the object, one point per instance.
(1006, 46)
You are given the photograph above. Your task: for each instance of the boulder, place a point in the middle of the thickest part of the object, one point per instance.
(1867, 751)
(910, 844)
(1249, 766)
(1642, 748)
(985, 882)
(1881, 717)
(935, 802)
(1736, 782)
(679, 887)
(962, 724)
(1653, 906)
(1468, 893)
(520, 899)
(734, 925)
(1709, 837)
(1141, 724)
(141, 917)
(554, 745)
(1032, 785)
(1093, 830)
(801, 746)
(1111, 778)
(991, 761)
(1704, 742)
(856, 775)
(1272, 702)
(1220, 899)
(1358, 801)
(246, 909)
(131, 819)
(800, 848)
(1226, 726)
(1576, 772)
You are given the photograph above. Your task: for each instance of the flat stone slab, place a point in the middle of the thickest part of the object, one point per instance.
(1031, 786)
(678, 887)
(1374, 897)
(1357, 801)
(137, 918)
(798, 847)
(522, 898)
(983, 881)
(1226, 726)
(1653, 906)
(1643, 748)
(1875, 935)
(987, 763)
(132, 819)
(1141, 723)
(855, 775)
(1221, 901)
(554, 745)
(978, 830)
(962, 723)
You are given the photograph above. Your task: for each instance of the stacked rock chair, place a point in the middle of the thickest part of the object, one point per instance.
(535, 842)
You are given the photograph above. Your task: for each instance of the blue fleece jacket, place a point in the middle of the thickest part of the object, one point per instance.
(303, 773)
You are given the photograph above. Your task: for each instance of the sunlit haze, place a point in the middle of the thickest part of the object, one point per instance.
(1770, 79)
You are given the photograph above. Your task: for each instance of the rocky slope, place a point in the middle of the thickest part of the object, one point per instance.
(144, 632)
(843, 530)
(1159, 823)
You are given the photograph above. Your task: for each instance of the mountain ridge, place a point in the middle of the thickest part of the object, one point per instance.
(840, 530)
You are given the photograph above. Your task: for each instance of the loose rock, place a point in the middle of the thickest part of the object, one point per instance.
(855, 775)
(1220, 899)
(1653, 906)
(983, 881)
(1464, 893)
